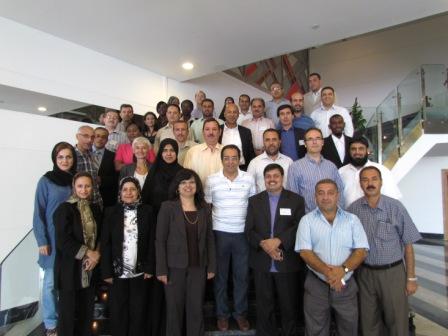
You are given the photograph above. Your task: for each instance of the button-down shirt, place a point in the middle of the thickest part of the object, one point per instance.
(332, 243)
(229, 199)
(340, 146)
(85, 163)
(257, 127)
(352, 188)
(183, 149)
(257, 165)
(271, 109)
(196, 113)
(389, 228)
(304, 122)
(115, 139)
(273, 203)
(242, 117)
(303, 175)
(321, 118)
(231, 136)
(203, 160)
(288, 144)
(164, 133)
(97, 156)
(311, 101)
(196, 129)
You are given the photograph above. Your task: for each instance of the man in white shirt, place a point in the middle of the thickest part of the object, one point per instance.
(322, 115)
(350, 173)
(276, 102)
(258, 124)
(234, 134)
(312, 98)
(198, 97)
(271, 140)
(244, 104)
(228, 191)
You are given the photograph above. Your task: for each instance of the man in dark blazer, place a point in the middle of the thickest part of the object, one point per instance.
(234, 134)
(292, 139)
(336, 145)
(104, 159)
(271, 224)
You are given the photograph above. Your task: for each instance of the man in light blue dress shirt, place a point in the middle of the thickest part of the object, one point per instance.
(332, 242)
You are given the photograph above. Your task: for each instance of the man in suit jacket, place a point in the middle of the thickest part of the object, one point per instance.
(272, 220)
(336, 145)
(292, 139)
(234, 134)
(104, 160)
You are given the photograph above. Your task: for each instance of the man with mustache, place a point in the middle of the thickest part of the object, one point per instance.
(384, 280)
(271, 154)
(359, 158)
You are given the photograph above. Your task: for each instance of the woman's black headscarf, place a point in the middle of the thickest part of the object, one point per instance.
(58, 176)
(160, 176)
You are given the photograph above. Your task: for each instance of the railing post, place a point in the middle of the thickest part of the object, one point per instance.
(379, 122)
(425, 99)
(399, 124)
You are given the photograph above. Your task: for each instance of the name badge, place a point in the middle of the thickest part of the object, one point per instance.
(285, 212)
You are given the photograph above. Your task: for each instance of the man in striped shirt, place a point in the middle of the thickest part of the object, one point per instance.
(303, 174)
(229, 191)
(332, 242)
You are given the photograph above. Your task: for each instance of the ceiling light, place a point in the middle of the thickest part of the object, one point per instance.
(42, 109)
(188, 66)
(315, 27)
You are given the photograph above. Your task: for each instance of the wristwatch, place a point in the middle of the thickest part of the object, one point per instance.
(346, 270)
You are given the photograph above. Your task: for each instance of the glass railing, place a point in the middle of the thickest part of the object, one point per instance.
(419, 104)
(19, 284)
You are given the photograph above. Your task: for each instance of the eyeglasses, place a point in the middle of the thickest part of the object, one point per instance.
(87, 136)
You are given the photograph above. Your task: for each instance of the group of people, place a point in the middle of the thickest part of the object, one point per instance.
(156, 207)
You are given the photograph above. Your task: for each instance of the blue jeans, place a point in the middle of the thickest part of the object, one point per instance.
(49, 300)
(232, 246)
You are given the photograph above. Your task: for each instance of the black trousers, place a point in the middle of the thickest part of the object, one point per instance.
(185, 295)
(284, 287)
(157, 308)
(76, 305)
(128, 306)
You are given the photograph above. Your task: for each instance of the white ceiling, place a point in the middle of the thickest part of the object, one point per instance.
(215, 35)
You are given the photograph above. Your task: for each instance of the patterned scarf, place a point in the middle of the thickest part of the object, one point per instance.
(89, 231)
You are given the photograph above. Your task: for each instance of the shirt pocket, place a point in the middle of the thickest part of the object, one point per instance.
(386, 231)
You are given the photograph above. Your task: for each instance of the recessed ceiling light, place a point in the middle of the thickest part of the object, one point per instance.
(42, 109)
(188, 66)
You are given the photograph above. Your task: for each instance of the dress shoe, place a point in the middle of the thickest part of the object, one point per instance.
(222, 324)
(243, 323)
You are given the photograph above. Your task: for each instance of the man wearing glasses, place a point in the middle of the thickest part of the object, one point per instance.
(277, 100)
(303, 174)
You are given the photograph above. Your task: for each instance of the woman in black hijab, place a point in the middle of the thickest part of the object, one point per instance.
(159, 177)
(161, 174)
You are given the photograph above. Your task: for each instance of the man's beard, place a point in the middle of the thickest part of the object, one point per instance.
(359, 162)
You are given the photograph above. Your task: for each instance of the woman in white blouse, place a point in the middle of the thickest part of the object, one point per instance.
(127, 250)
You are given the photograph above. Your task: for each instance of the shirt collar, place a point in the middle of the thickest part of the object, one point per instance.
(313, 161)
(381, 204)
(221, 174)
(205, 146)
(230, 129)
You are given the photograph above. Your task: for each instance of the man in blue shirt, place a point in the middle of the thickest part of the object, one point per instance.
(300, 119)
(303, 174)
(332, 242)
(292, 144)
